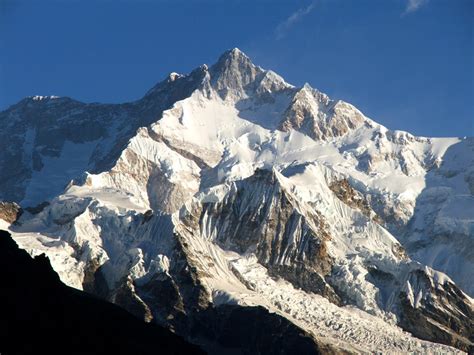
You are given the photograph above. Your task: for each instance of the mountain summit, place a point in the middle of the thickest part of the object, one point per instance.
(228, 192)
(233, 72)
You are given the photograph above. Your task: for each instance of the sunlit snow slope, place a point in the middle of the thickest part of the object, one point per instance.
(230, 186)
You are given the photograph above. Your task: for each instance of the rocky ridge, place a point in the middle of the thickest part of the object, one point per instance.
(219, 183)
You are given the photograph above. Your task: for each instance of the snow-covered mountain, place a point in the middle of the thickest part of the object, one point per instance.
(229, 186)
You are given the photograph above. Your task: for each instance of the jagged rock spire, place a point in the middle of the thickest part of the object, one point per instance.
(232, 73)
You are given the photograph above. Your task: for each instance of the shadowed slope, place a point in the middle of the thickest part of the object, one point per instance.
(39, 313)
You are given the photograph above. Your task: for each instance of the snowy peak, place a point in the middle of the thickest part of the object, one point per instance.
(268, 190)
(234, 58)
(271, 82)
(232, 73)
(236, 79)
(315, 114)
(177, 82)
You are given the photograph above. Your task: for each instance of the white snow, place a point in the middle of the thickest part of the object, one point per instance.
(195, 152)
(347, 327)
(56, 172)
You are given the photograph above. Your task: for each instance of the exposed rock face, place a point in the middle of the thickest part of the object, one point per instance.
(260, 216)
(429, 305)
(10, 211)
(231, 188)
(353, 198)
(126, 297)
(314, 114)
(178, 298)
(232, 73)
(444, 313)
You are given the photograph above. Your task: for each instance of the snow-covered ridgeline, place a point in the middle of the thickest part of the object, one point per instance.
(201, 150)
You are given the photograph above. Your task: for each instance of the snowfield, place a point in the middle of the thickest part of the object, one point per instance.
(381, 222)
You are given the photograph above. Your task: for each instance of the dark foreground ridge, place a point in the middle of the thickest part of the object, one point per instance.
(39, 314)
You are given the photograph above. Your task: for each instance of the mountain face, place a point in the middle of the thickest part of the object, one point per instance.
(227, 193)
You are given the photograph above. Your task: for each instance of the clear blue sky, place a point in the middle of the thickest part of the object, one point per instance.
(408, 64)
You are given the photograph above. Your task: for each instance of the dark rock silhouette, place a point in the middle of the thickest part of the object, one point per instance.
(39, 314)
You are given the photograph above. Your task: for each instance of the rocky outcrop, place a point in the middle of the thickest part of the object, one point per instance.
(10, 211)
(428, 305)
(313, 113)
(439, 313)
(353, 198)
(126, 297)
(172, 295)
(232, 73)
(261, 216)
